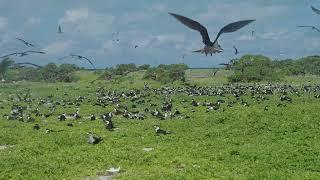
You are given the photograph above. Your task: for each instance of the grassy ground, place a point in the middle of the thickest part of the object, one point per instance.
(239, 142)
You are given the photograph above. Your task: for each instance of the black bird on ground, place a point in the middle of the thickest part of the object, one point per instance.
(93, 139)
(26, 42)
(161, 131)
(210, 47)
(36, 127)
(312, 27)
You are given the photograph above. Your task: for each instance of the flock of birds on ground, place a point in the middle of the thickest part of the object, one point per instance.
(144, 103)
(209, 48)
(26, 108)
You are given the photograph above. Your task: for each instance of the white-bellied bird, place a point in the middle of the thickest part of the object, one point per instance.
(210, 47)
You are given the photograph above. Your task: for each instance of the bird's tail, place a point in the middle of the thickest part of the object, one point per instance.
(198, 51)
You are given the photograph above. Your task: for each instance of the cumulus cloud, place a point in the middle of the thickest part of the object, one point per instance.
(58, 47)
(242, 10)
(33, 21)
(86, 21)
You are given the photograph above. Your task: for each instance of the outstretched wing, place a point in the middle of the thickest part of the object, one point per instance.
(195, 26)
(232, 27)
(315, 10)
(39, 52)
(28, 63)
(89, 62)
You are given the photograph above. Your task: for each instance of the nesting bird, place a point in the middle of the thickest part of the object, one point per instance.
(93, 139)
(161, 131)
(210, 47)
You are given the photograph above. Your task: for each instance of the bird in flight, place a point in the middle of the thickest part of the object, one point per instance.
(210, 47)
(78, 57)
(21, 54)
(26, 42)
(27, 63)
(312, 27)
(315, 10)
(235, 50)
(59, 30)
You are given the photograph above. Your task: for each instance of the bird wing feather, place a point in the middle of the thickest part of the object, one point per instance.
(315, 10)
(195, 26)
(232, 27)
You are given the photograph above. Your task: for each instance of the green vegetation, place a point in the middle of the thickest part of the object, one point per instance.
(254, 69)
(238, 142)
(167, 73)
(250, 135)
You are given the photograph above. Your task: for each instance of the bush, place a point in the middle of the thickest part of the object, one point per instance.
(256, 68)
(167, 73)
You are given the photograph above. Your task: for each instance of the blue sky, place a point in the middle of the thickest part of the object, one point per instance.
(89, 25)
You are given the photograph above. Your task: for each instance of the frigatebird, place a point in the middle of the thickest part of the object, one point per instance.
(315, 10)
(27, 63)
(78, 57)
(210, 47)
(59, 30)
(235, 50)
(82, 57)
(312, 27)
(24, 53)
(26, 42)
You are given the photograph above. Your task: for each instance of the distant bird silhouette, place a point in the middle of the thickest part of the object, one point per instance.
(26, 42)
(136, 46)
(59, 30)
(82, 57)
(312, 27)
(210, 47)
(21, 54)
(315, 10)
(27, 63)
(235, 50)
(78, 57)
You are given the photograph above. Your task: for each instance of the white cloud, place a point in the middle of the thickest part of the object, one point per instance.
(86, 21)
(242, 10)
(158, 7)
(33, 21)
(58, 47)
(3, 23)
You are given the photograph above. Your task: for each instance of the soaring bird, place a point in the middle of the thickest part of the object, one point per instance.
(210, 47)
(59, 30)
(312, 27)
(26, 42)
(235, 50)
(315, 10)
(24, 53)
(27, 63)
(82, 57)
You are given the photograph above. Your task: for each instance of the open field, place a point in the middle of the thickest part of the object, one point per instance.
(239, 135)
